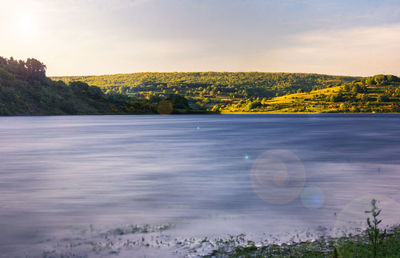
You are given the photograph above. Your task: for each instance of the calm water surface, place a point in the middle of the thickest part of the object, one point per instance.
(122, 185)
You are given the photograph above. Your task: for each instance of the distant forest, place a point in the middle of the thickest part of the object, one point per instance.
(259, 92)
(211, 89)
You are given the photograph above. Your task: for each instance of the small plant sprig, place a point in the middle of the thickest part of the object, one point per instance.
(375, 235)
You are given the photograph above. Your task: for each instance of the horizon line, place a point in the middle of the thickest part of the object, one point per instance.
(211, 71)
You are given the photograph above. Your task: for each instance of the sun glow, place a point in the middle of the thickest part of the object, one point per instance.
(26, 26)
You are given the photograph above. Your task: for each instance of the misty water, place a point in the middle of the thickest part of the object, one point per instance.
(152, 185)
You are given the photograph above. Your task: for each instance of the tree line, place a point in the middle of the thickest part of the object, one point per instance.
(31, 69)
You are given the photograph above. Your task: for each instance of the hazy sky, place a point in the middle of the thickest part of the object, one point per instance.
(81, 37)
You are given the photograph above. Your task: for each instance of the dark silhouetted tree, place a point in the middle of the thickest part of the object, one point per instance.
(35, 69)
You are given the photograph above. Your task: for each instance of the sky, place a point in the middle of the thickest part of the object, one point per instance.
(94, 37)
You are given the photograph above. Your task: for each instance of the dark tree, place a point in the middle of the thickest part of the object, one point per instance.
(3, 61)
(35, 69)
(178, 101)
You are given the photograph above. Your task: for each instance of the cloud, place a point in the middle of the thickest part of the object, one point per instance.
(355, 51)
(361, 51)
(199, 35)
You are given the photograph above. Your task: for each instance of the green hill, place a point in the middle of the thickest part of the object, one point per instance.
(25, 90)
(379, 94)
(210, 89)
(259, 92)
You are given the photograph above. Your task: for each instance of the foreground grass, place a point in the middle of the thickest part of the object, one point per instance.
(348, 246)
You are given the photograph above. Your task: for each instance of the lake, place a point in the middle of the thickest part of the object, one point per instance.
(174, 185)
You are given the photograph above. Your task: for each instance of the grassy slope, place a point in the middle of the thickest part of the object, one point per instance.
(367, 97)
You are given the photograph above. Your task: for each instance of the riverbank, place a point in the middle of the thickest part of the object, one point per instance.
(347, 246)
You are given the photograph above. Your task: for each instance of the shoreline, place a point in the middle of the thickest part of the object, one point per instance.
(350, 245)
(205, 113)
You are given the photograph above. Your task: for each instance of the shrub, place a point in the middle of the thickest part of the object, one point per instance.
(375, 235)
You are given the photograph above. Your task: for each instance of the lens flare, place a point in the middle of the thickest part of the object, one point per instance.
(165, 107)
(312, 197)
(278, 176)
(353, 218)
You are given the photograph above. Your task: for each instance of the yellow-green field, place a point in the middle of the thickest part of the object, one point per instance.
(374, 94)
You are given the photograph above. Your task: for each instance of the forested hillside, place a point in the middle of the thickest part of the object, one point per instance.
(259, 92)
(25, 90)
(210, 89)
